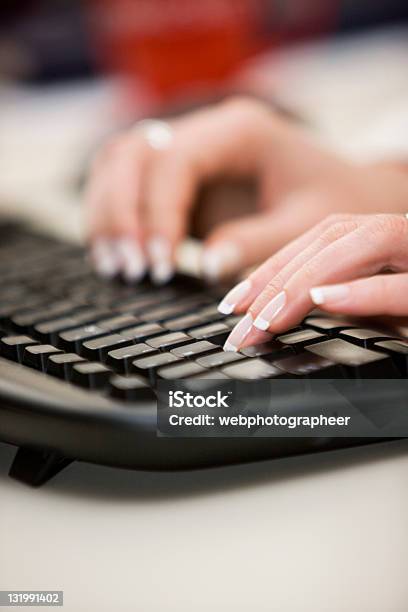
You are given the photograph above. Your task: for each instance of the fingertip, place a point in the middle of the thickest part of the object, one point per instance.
(160, 259)
(233, 298)
(133, 261)
(105, 257)
(221, 259)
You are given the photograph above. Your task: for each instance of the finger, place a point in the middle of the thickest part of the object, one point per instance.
(114, 206)
(280, 268)
(380, 242)
(379, 295)
(272, 230)
(207, 143)
(104, 255)
(170, 191)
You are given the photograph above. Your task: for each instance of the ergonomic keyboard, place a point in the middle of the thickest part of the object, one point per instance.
(80, 358)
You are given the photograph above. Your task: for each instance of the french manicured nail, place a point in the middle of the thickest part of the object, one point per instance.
(270, 311)
(161, 266)
(220, 259)
(105, 257)
(330, 293)
(238, 334)
(133, 260)
(237, 293)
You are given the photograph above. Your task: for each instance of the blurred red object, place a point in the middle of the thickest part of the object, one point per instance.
(174, 48)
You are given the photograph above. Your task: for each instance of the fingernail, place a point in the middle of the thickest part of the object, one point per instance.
(162, 268)
(331, 293)
(105, 258)
(220, 260)
(270, 311)
(133, 260)
(237, 293)
(238, 334)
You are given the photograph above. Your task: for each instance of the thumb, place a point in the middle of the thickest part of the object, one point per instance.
(239, 244)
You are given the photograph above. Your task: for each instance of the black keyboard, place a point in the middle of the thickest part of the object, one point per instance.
(80, 359)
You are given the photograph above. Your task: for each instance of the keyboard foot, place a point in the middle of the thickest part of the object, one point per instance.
(36, 467)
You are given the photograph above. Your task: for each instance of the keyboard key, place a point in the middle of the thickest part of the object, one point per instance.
(232, 320)
(91, 375)
(184, 322)
(268, 350)
(301, 338)
(180, 371)
(48, 331)
(398, 349)
(195, 319)
(360, 362)
(60, 364)
(219, 359)
(12, 347)
(118, 322)
(27, 320)
(328, 325)
(143, 331)
(211, 375)
(121, 359)
(216, 332)
(252, 369)
(130, 389)
(170, 311)
(148, 299)
(98, 348)
(71, 340)
(195, 348)
(312, 366)
(148, 366)
(36, 355)
(362, 337)
(168, 341)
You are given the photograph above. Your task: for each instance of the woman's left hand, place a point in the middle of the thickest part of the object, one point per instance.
(336, 265)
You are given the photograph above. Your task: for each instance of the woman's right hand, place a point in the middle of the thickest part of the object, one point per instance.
(141, 192)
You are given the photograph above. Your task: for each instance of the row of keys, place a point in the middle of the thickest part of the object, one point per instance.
(127, 356)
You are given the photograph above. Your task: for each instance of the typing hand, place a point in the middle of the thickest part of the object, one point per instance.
(143, 186)
(337, 266)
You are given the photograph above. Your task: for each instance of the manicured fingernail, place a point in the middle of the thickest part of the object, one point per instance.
(237, 293)
(105, 257)
(133, 260)
(162, 268)
(330, 293)
(270, 311)
(220, 260)
(238, 334)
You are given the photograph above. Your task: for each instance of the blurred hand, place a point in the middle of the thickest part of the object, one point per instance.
(140, 197)
(336, 266)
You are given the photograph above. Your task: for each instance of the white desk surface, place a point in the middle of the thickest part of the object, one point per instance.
(322, 533)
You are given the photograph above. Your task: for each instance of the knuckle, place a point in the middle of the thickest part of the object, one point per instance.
(336, 231)
(396, 225)
(269, 291)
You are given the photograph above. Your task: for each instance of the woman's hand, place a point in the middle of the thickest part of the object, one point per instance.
(142, 190)
(337, 266)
